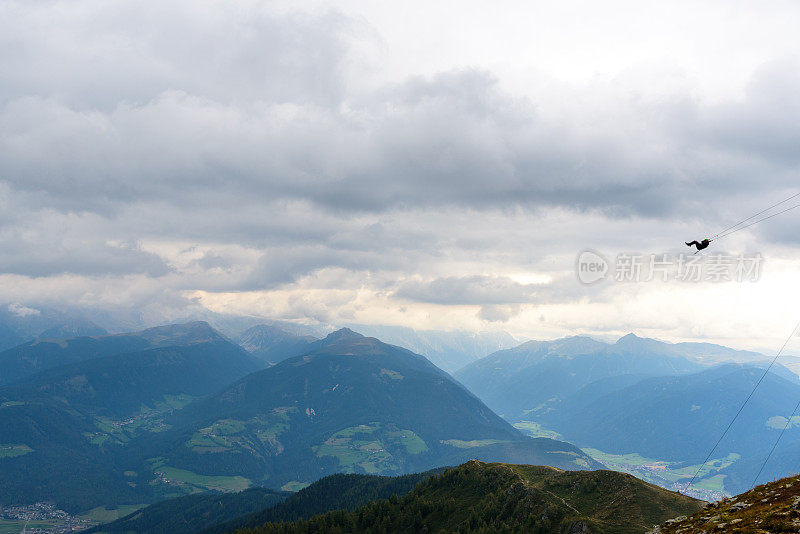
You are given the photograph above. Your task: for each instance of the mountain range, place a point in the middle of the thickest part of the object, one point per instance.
(19, 324)
(534, 375)
(137, 417)
(65, 429)
(352, 404)
(42, 354)
(473, 497)
(448, 350)
(653, 408)
(272, 344)
(677, 419)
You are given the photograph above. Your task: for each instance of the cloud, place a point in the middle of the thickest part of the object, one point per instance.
(454, 139)
(467, 290)
(498, 313)
(311, 162)
(48, 243)
(96, 55)
(22, 311)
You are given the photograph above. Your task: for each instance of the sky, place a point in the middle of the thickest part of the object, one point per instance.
(425, 164)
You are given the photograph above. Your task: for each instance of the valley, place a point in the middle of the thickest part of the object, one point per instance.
(646, 407)
(370, 267)
(182, 422)
(672, 475)
(197, 414)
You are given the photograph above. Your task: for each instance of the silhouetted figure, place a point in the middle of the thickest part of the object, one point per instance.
(700, 244)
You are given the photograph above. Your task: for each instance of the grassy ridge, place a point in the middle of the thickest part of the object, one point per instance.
(481, 497)
(335, 492)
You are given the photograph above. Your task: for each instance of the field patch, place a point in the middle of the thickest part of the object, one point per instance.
(12, 450)
(536, 430)
(461, 444)
(181, 477)
(174, 402)
(295, 485)
(394, 375)
(710, 483)
(13, 526)
(103, 514)
(148, 419)
(779, 422)
(412, 442)
(227, 435)
(371, 448)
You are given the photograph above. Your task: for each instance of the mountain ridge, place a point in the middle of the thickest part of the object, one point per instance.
(42, 354)
(355, 405)
(496, 497)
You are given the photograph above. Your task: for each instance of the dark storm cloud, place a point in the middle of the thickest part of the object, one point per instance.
(48, 258)
(456, 141)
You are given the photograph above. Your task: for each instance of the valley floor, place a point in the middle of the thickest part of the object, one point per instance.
(670, 475)
(44, 518)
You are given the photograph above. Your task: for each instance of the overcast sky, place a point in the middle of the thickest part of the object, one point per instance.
(434, 165)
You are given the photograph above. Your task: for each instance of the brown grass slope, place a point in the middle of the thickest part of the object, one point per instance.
(770, 508)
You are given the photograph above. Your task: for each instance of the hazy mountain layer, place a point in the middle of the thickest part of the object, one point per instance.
(531, 377)
(449, 351)
(42, 354)
(272, 344)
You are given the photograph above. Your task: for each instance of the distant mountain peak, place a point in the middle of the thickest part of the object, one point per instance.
(73, 327)
(186, 333)
(41, 354)
(273, 344)
(632, 341)
(628, 337)
(341, 335)
(267, 328)
(196, 326)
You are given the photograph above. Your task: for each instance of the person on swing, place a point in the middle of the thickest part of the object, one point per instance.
(700, 244)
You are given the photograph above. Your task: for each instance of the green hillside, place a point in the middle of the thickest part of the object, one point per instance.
(67, 431)
(140, 426)
(334, 492)
(355, 405)
(192, 513)
(481, 497)
(219, 513)
(60, 463)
